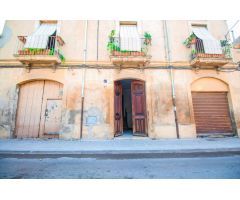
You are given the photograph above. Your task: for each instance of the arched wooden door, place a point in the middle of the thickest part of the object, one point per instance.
(39, 109)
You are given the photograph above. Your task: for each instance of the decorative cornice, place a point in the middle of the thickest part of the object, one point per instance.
(108, 64)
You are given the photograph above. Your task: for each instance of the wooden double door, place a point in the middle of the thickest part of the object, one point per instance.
(39, 109)
(139, 117)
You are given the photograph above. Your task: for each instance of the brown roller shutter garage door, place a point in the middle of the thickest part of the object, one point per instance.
(211, 112)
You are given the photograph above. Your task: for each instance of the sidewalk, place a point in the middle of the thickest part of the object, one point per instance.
(215, 146)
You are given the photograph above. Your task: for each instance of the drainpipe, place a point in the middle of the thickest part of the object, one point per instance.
(97, 38)
(83, 76)
(168, 53)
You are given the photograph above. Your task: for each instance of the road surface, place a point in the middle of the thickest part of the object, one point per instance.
(129, 168)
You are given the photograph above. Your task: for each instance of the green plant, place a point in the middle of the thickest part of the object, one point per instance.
(189, 40)
(193, 52)
(112, 33)
(147, 35)
(147, 38)
(51, 52)
(61, 56)
(33, 50)
(226, 46)
(112, 46)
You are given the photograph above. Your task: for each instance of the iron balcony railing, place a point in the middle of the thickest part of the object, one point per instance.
(37, 45)
(118, 46)
(198, 50)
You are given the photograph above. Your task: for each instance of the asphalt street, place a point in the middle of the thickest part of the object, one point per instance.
(126, 168)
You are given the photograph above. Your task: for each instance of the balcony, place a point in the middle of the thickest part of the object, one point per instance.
(210, 57)
(129, 51)
(39, 50)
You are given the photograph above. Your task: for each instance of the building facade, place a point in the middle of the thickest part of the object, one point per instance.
(103, 79)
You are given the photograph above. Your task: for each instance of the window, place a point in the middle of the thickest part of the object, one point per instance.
(129, 36)
(44, 37)
(205, 42)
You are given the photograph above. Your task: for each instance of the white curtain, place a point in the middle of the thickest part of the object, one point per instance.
(129, 38)
(39, 39)
(210, 44)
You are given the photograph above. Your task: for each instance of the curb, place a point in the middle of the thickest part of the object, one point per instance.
(122, 154)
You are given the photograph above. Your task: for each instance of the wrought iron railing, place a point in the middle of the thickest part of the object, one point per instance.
(37, 45)
(118, 46)
(198, 50)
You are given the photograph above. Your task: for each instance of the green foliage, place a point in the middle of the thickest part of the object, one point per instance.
(33, 50)
(193, 52)
(51, 53)
(147, 39)
(112, 46)
(188, 41)
(147, 36)
(226, 46)
(61, 56)
(112, 34)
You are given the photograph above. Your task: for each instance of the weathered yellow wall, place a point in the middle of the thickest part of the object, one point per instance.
(72, 32)
(99, 99)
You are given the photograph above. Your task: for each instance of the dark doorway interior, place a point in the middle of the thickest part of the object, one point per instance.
(127, 106)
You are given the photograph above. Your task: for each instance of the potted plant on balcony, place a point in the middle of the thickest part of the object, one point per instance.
(147, 38)
(112, 45)
(226, 46)
(61, 56)
(137, 53)
(190, 40)
(113, 48)
(26, 52)
(125, 53)
(193, 53)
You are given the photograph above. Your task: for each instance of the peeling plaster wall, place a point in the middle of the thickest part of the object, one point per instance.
(98, 107)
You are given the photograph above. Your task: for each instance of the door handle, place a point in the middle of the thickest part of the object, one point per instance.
(117, 116)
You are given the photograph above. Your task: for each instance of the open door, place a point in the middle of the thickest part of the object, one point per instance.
(118, 121)
(138, 108)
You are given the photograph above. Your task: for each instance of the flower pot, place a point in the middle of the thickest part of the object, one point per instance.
(115, 53)
(125, 53)
(46, 52)
(148, 41)
(27, 52)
